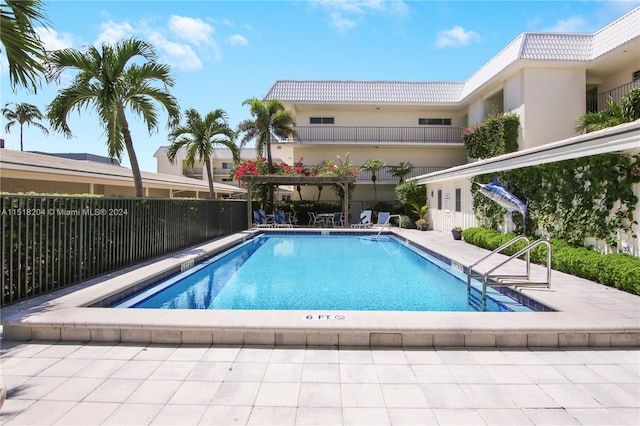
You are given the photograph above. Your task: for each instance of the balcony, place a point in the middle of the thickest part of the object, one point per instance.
(194, 173)
(600, 102)
(384, 176)
(366, 134)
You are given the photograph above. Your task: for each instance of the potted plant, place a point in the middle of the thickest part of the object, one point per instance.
(421, 211)
(457, 233)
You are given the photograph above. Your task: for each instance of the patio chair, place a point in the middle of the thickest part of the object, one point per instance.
(365, 220)
(315, 219)
(337, 220)
(260, 219)
(280, 221)
(293, 218)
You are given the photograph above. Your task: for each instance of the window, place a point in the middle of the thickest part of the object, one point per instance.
(635, 76)
(458, 199)
(321, 120)
(434, 121)
(439, 199)
(227, 165)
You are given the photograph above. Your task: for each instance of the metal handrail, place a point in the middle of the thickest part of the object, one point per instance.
(388, 223)
(487, 275)
(498, 250)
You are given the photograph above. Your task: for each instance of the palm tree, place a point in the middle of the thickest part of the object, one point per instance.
(23, 114)
(200, 136)
(373, 166)
(270, 121)
(401, 170)
(592, 121)
(21, 43)
(110, 81)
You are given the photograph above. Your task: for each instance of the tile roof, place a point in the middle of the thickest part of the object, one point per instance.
(556, 47)
(365, 91)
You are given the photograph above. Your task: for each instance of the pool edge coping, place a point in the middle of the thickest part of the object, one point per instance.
(65, 317)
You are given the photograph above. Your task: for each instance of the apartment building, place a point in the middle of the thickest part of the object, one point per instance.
(548, 79)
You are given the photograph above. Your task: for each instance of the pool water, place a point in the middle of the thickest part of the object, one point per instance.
(320, 272)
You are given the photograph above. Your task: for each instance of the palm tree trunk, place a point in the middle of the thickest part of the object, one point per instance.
(270, 166)
(21, 146)
(135, 168)
(207, 166)
(375, 191)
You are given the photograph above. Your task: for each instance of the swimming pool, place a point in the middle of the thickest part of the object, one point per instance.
(288, 271)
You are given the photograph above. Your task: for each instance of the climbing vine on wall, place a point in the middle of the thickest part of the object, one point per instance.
(571, 199)
(496, 135)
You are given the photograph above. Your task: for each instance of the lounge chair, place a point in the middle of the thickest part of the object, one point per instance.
(280, 221)
(383, 219)
(365, 220)
(260, 219)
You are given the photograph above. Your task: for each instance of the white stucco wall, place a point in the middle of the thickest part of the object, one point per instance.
(619, 78)
(446, 218)
(164, 166)
(554, 99)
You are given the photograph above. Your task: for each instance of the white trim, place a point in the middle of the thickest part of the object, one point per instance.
(625, 137)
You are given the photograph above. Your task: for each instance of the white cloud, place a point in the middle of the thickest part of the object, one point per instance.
(575, 24)
(51, 40)
(177, 55)
(237, 40)
(353, 6)
(455, 37)
(113, 32)
(340, 23)
(193, 30)
(345, 14)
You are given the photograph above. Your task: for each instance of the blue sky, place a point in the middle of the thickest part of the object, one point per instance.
(223, 52)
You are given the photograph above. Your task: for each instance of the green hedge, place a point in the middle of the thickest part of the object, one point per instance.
(618, 270)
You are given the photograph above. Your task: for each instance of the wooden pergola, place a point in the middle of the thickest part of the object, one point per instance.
(343, 181)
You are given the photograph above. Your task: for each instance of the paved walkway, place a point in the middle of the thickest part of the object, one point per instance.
(127, 384)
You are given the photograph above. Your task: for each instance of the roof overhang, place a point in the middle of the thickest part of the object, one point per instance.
(30, 166)
(622, 138)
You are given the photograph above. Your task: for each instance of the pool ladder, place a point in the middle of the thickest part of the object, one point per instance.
(492, 279)
(387, 224)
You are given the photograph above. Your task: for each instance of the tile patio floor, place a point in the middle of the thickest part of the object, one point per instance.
(565, 383)
(126, 384)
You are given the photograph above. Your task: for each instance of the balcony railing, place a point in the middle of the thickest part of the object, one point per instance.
(195, 173)
(384, 175)
(367, 134)
(600, 102)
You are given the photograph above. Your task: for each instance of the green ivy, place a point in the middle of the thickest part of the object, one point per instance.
(496, 135)
(571, 199)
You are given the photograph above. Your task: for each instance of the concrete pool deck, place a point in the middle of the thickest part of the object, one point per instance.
(586, 314)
